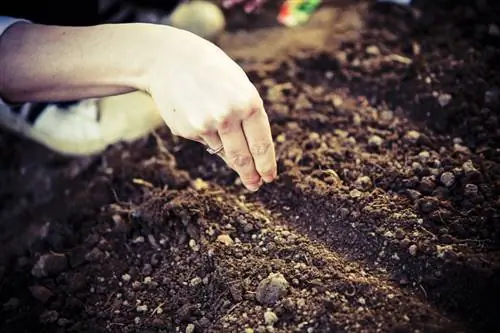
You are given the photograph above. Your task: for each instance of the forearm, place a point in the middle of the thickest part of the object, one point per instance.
(52, 63)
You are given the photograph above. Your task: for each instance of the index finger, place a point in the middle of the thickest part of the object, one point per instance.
(260, 143)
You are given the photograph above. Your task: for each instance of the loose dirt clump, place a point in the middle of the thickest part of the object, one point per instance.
(385, 216)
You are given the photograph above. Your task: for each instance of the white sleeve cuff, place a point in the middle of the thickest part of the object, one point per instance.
(5, 23)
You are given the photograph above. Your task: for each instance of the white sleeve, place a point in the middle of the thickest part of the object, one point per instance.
(5, 23)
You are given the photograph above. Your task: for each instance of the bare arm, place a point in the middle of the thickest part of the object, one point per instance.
(48, 63)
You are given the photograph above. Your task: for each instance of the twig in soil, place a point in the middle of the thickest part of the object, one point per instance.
(423, 290)
(109, 298)
(430, 233)
(115, 196)
(157, 308)
(400, 59)
(142, 182)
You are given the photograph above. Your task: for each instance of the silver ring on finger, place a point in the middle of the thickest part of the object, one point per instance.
(216, 150)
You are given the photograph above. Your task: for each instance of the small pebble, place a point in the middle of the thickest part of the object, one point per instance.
(49, 264)
(225, 239)
(471, 190)
(272, 289)
(372, 50)
(444, 99)
(424, 155)
(494, 30)
(12, 304)
(195, 281)
(147, 269)
(193, 245)
(190, 328)
(270, 318)
(138, 240)
(386, 115)
(469, 169)
(63, 322)
(49, 316)
(492, 96)
(126, 277)
(94, 255)
(428, 204)
(413, 249)
(412, 136)
(41, 293)
(142, 308)
(447, 179)
(363, 182)
(375, 141)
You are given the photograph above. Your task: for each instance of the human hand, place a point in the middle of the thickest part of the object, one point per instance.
(203, 95)
(249, 5)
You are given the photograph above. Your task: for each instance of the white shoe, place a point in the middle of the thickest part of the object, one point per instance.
(202, 18)
(86, 127)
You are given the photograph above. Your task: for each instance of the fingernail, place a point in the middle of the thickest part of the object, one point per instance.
(253, 188)
(269, 179)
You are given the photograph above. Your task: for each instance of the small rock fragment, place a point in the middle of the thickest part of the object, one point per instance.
(147, 269)
(413, 194)
(427, 204)
(94, 255)
(355, 193)
(471, 190)
(375, 141)
(413, 250)
(49, 316)
(138, 240)
(492, 96)
(272, 289)
(63, 322)
(363, 182)
(424, 155)
(199, 184)
(447, 179)
(142, 308)
(372, 50)
(126, 277)
(270, 318)
(225, 239)
(494, 30)
(41, 293)
(469, 169)
(427, 184)
(195, 281)
(49, 264)
(12, 304)
(444, 99)
(193, 245)
(190, 328)
(386, 115)
(412, 136)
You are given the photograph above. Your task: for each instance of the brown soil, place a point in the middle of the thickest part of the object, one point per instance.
(385, 217)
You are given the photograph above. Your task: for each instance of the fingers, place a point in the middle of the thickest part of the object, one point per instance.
(260, 142)
(237, 153)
